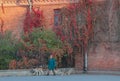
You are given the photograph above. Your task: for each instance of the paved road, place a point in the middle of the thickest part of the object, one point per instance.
(82, 77)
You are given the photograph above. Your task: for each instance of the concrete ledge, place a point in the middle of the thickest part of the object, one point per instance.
(22, 72)
(26, 72)
(104, 72)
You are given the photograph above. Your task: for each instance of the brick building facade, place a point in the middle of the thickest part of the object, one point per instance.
(13, 14)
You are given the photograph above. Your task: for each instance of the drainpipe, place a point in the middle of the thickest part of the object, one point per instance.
(85, 58)
(85, 61)
(89, 26)
(30, 5)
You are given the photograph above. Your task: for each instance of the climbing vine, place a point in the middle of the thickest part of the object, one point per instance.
(33, 19)
(76, 28)
(87, 22)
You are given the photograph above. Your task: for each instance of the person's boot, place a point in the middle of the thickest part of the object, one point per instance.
(54, 73)
(47, 73)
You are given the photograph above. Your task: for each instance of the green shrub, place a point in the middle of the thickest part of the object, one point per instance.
(7, 49)
(3, 64)
(48, 36)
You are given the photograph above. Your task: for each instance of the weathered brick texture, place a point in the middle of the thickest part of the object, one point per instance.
(103, 58)
(48, 13)
(13, 18)
(79, 61)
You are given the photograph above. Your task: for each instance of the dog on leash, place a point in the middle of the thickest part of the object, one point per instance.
(64, 72)
(68, 72)
(37, 71)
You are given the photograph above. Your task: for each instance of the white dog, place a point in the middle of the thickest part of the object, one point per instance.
(37, 71)
(64, 71)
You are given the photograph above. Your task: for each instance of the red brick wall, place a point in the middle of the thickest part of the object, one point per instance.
(13, 18)
(48, 11)
(101, 58)
(105, 57)
(79, 61)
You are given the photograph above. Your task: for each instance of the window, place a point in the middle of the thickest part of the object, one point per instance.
(57, 17)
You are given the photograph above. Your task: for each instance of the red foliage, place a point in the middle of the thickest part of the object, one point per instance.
(63, 38)
(33, 19)
(12, 64)
(71, 31)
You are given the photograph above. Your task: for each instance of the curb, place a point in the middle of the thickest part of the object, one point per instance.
(104, 72)
(22, 72)
(26, 72)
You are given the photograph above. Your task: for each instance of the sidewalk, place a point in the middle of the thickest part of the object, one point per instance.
(26, 72)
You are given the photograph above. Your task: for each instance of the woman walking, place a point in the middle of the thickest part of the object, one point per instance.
(51, 65)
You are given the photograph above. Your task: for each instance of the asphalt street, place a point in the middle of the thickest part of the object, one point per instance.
(82, 77)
